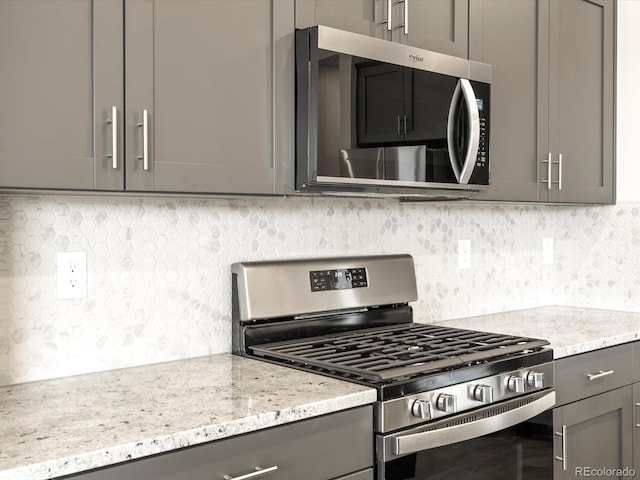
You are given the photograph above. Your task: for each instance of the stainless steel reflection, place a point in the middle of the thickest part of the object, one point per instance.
(407, 163)
(464, 427)
(403, 163)
(362, 163)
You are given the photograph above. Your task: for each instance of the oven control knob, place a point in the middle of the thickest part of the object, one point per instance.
(482, 393)
(421, 409)
(446, 403)
(515, 384)
(535, 379)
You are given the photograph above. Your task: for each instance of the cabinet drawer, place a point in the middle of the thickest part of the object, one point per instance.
(594, 372)
(316, 449)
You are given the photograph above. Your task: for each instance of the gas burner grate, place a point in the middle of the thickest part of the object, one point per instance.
(388, 353)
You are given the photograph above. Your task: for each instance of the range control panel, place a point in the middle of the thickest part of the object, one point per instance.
(340, 279)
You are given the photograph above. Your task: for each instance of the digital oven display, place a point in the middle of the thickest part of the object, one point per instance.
(341, 279)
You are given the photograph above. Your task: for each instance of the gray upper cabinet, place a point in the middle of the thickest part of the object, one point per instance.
(437, 25)
(552, 98)
(61, 73)
(199, 95)
(581, 102)
(358, 16)
(208, 105)
(506, 35)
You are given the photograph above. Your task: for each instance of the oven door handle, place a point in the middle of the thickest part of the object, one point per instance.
(438, 437)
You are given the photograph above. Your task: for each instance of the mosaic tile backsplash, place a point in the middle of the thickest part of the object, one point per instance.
(159, 270)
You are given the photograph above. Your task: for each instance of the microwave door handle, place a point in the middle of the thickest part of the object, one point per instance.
(464, 88)
(416, 442)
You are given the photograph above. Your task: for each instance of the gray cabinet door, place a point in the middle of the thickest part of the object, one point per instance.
(61, 74)
(359, 16)
(202, 72)
(552, 98)
(597, 434)
(581, 101)
(438, 25)
(507, 35)
(636, 427)
(321, 448)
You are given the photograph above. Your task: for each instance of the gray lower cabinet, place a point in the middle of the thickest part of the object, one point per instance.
(596, 415)
(593, 434)
(61, 70)
(336, 446)
(437, 25)
(208, 106)
(636, 427)
(552, 98)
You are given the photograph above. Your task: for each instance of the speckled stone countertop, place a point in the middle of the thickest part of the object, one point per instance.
(59, 427)
(569, 330)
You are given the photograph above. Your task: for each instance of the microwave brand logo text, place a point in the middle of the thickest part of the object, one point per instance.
(415, 58)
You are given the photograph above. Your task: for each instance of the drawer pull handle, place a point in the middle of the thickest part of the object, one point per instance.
(600, 374)
(259, 471)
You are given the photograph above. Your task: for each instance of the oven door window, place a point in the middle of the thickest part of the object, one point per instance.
(522, 452)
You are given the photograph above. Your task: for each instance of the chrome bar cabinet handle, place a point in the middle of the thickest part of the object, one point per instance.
(145, 139)
(548, 180)
(560, 171)
(406, 17)
(113, 121)
(600, 374)
(405, 23)
(389, 13)
(563, 458)
(259, 471)
(637, 424)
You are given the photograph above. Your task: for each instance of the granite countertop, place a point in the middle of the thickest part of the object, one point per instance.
(569, 330)
(64, 426)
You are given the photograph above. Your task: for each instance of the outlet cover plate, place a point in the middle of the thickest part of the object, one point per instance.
(464, 254)
(71, 275)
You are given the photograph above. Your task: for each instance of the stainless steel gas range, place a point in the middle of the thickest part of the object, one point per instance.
(452, 403)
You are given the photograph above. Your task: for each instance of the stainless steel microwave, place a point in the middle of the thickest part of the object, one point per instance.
(379, 117)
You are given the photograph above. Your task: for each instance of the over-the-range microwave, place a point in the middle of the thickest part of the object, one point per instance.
(379, 117)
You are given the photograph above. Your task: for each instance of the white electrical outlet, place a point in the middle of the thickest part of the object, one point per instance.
(547, 251)
(464, 254)
(72, 275)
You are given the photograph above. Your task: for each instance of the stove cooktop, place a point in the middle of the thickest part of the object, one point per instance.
(398, 352)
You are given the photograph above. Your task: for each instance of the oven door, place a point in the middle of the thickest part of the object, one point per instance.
(509, 441)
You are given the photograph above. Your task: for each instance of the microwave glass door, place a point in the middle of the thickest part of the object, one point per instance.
(388, 122)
